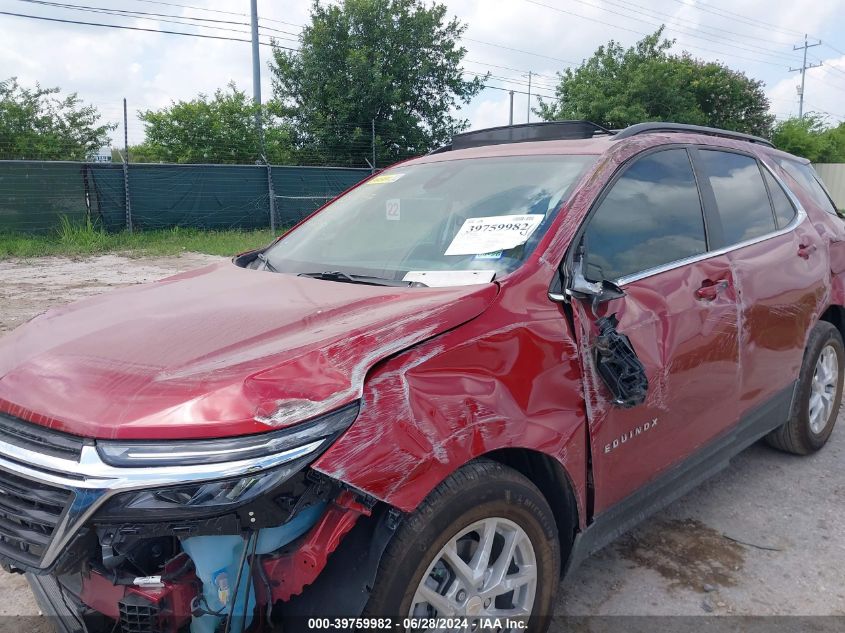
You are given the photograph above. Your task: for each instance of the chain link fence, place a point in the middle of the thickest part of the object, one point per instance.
(34, 195)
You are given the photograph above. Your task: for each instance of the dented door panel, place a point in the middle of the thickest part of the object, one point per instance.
(463, 394)
(781, 296)
(690, 350)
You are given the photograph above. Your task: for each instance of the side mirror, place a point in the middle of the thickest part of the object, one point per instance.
(598, 292)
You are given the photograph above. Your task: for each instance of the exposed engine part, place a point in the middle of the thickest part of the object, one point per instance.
(165, 608)
(292, 571)
(618, 365)
(216, 573)
(138, 615)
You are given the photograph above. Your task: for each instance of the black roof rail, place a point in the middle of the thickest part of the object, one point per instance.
(649, 127)
(524, 133)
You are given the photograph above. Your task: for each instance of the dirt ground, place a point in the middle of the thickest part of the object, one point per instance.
(765, 537)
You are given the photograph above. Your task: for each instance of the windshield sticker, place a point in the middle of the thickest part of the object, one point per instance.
(441, 278)
(392, 209)
(496, 233)
(384, 179)
(493, 255)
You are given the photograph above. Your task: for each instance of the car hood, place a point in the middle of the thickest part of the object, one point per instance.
(215, 352)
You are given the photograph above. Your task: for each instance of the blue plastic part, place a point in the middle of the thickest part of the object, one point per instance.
(216, 561)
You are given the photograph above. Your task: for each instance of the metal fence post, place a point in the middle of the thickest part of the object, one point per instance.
(126, 169)
(373, 122)
(271, 189)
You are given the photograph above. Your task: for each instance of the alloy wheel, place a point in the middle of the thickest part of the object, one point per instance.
(823, 389)
(488, 569)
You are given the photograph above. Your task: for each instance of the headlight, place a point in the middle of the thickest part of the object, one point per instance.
(296, 447)
(189, 452)
(197, 499)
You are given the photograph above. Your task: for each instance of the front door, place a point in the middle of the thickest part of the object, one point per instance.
(680, 312)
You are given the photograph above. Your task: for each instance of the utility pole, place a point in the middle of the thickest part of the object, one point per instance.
(256, 57)
(373, 136)
(256, 97)
(510, 119)
(528, 117)
(803, 70)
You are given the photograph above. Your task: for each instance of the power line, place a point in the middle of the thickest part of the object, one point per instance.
(206, 9)
(643, 10)
(690, 31)
(753, 22)
(519, 50)
(508, 80)
(625, 28)
(138, 14)
(516, 70)
(138, 28)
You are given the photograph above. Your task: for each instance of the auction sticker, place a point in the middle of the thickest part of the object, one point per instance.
(496, 233)
(442, 278)
(383, 179)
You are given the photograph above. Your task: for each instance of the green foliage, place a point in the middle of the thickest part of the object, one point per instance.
(38, 124)
(218, 129)
(617, 87)
(812, 138)
(89, 239)
(395, 62)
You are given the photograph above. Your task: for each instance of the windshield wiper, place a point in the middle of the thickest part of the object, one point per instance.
(267, 265)
(336, 275)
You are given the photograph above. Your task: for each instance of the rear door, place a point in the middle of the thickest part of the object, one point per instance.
(779, 268)
(648, 232)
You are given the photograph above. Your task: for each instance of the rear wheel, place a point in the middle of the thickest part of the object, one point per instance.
(818, 394)
(484, 544)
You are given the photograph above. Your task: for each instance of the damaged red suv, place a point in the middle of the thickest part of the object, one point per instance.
(432, 398)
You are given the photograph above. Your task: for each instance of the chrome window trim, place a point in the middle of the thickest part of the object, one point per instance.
(92, 482)
(800, 216)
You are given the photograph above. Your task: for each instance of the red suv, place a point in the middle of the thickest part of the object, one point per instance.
(433, 397)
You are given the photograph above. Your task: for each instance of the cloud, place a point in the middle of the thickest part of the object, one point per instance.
(150, 70)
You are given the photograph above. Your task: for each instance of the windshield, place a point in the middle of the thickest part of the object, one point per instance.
(444, 223)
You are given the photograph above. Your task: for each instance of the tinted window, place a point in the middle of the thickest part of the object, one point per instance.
(741, 196)
(806, 176)
(651, 216)
(784, 211)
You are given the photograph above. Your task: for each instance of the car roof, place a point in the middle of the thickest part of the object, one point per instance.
(592, 146)
(597, 140)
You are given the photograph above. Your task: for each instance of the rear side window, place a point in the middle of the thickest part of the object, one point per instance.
(651, 216)
(806, 176)
(784, 211)
(741, 196)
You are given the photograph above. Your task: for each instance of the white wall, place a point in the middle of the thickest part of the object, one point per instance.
(833, 175)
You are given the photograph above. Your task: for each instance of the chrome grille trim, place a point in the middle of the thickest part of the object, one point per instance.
(90, 482)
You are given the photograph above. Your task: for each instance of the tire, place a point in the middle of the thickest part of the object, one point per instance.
(805, 433)
(481, 497)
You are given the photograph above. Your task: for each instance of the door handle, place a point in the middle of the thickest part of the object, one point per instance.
(709, 290)
(805, 250)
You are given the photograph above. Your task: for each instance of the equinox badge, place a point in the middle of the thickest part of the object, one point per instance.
(625, 437)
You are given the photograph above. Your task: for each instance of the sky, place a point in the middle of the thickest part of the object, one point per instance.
(508, 38)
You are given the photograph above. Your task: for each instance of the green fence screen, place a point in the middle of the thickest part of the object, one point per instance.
(35, 194)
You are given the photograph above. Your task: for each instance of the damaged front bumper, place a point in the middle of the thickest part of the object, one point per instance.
(152, 535)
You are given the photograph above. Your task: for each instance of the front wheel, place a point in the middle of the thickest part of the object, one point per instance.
(484, 544)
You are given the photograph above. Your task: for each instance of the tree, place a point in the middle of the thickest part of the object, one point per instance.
(394, 63)
(617, 87)
(218, 129)
(812, 138)
(39, 124)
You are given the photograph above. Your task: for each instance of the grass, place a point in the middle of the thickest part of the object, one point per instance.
(87, 239)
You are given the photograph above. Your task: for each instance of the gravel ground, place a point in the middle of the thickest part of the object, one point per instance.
(765, 537)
